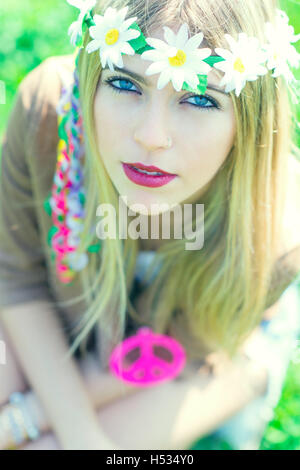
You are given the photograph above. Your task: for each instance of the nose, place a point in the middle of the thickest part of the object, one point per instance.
(151, 132)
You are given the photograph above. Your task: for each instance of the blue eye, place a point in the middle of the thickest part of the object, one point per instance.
(126, 86)
(203, 101)
(123, 83)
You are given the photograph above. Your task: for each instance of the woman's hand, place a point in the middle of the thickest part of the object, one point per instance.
(49, 442)
(92, 443)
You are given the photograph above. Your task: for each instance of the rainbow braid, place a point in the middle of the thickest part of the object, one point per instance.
(67, 198)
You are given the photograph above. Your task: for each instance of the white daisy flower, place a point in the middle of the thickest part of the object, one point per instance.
(111, 35)
(280, 54)
(243, 63)
(178, 59)
(75, 30)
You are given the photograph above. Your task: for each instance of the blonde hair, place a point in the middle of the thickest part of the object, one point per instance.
(216, 296)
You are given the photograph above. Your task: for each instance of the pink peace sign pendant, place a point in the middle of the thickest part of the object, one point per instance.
(146, 358)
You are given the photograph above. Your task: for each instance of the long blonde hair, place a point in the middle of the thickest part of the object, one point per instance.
(216, 296)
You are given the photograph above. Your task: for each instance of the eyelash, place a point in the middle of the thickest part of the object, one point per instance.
(123, 90)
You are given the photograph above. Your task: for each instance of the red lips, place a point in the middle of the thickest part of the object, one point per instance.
(149, 168)
(143, 179)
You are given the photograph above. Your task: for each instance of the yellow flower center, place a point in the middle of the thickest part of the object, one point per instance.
(112, 36)
(239, 66)
(275, 56)
(178, 60)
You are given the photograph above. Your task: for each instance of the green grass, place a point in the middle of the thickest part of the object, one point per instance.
(283, 432)
(31, 31)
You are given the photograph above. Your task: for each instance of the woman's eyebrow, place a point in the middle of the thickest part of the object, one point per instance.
(141, 79)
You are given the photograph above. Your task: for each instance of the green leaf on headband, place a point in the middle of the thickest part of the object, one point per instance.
(87, 22)
(146, 48)
(47, 207)
(140, 42)
(201, 87)
(94, 248)
(84, 24)
(88, 19)
(77, 61)
(213, 59)
(79, 42)
(53, 230)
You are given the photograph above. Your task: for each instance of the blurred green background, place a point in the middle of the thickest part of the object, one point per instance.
(31, 31)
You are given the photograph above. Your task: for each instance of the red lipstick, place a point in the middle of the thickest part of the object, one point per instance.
(141, 166)
(143, 179)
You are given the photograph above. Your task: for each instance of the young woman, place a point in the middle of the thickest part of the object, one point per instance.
(214, 109)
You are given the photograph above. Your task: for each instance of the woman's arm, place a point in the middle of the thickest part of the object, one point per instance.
(177, 413)
(40, 346)
(219, 396)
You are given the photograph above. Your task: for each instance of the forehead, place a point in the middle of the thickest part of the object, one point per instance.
(138, 65)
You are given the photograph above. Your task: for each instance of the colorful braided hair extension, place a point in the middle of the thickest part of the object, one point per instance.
(65, 203)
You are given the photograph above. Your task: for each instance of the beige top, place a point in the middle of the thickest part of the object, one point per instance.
(28, 164)
(29, 154)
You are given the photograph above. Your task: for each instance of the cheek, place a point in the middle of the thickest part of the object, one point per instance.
(111, 124)
(208, 143)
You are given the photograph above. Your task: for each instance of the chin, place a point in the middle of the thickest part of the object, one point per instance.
(141, 209)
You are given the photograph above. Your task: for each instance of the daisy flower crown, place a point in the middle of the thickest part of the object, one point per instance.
(177, 59)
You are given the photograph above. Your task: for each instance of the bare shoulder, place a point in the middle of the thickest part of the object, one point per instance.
(288, 264)
(41, 86)
(39, 93)
(64, 66)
